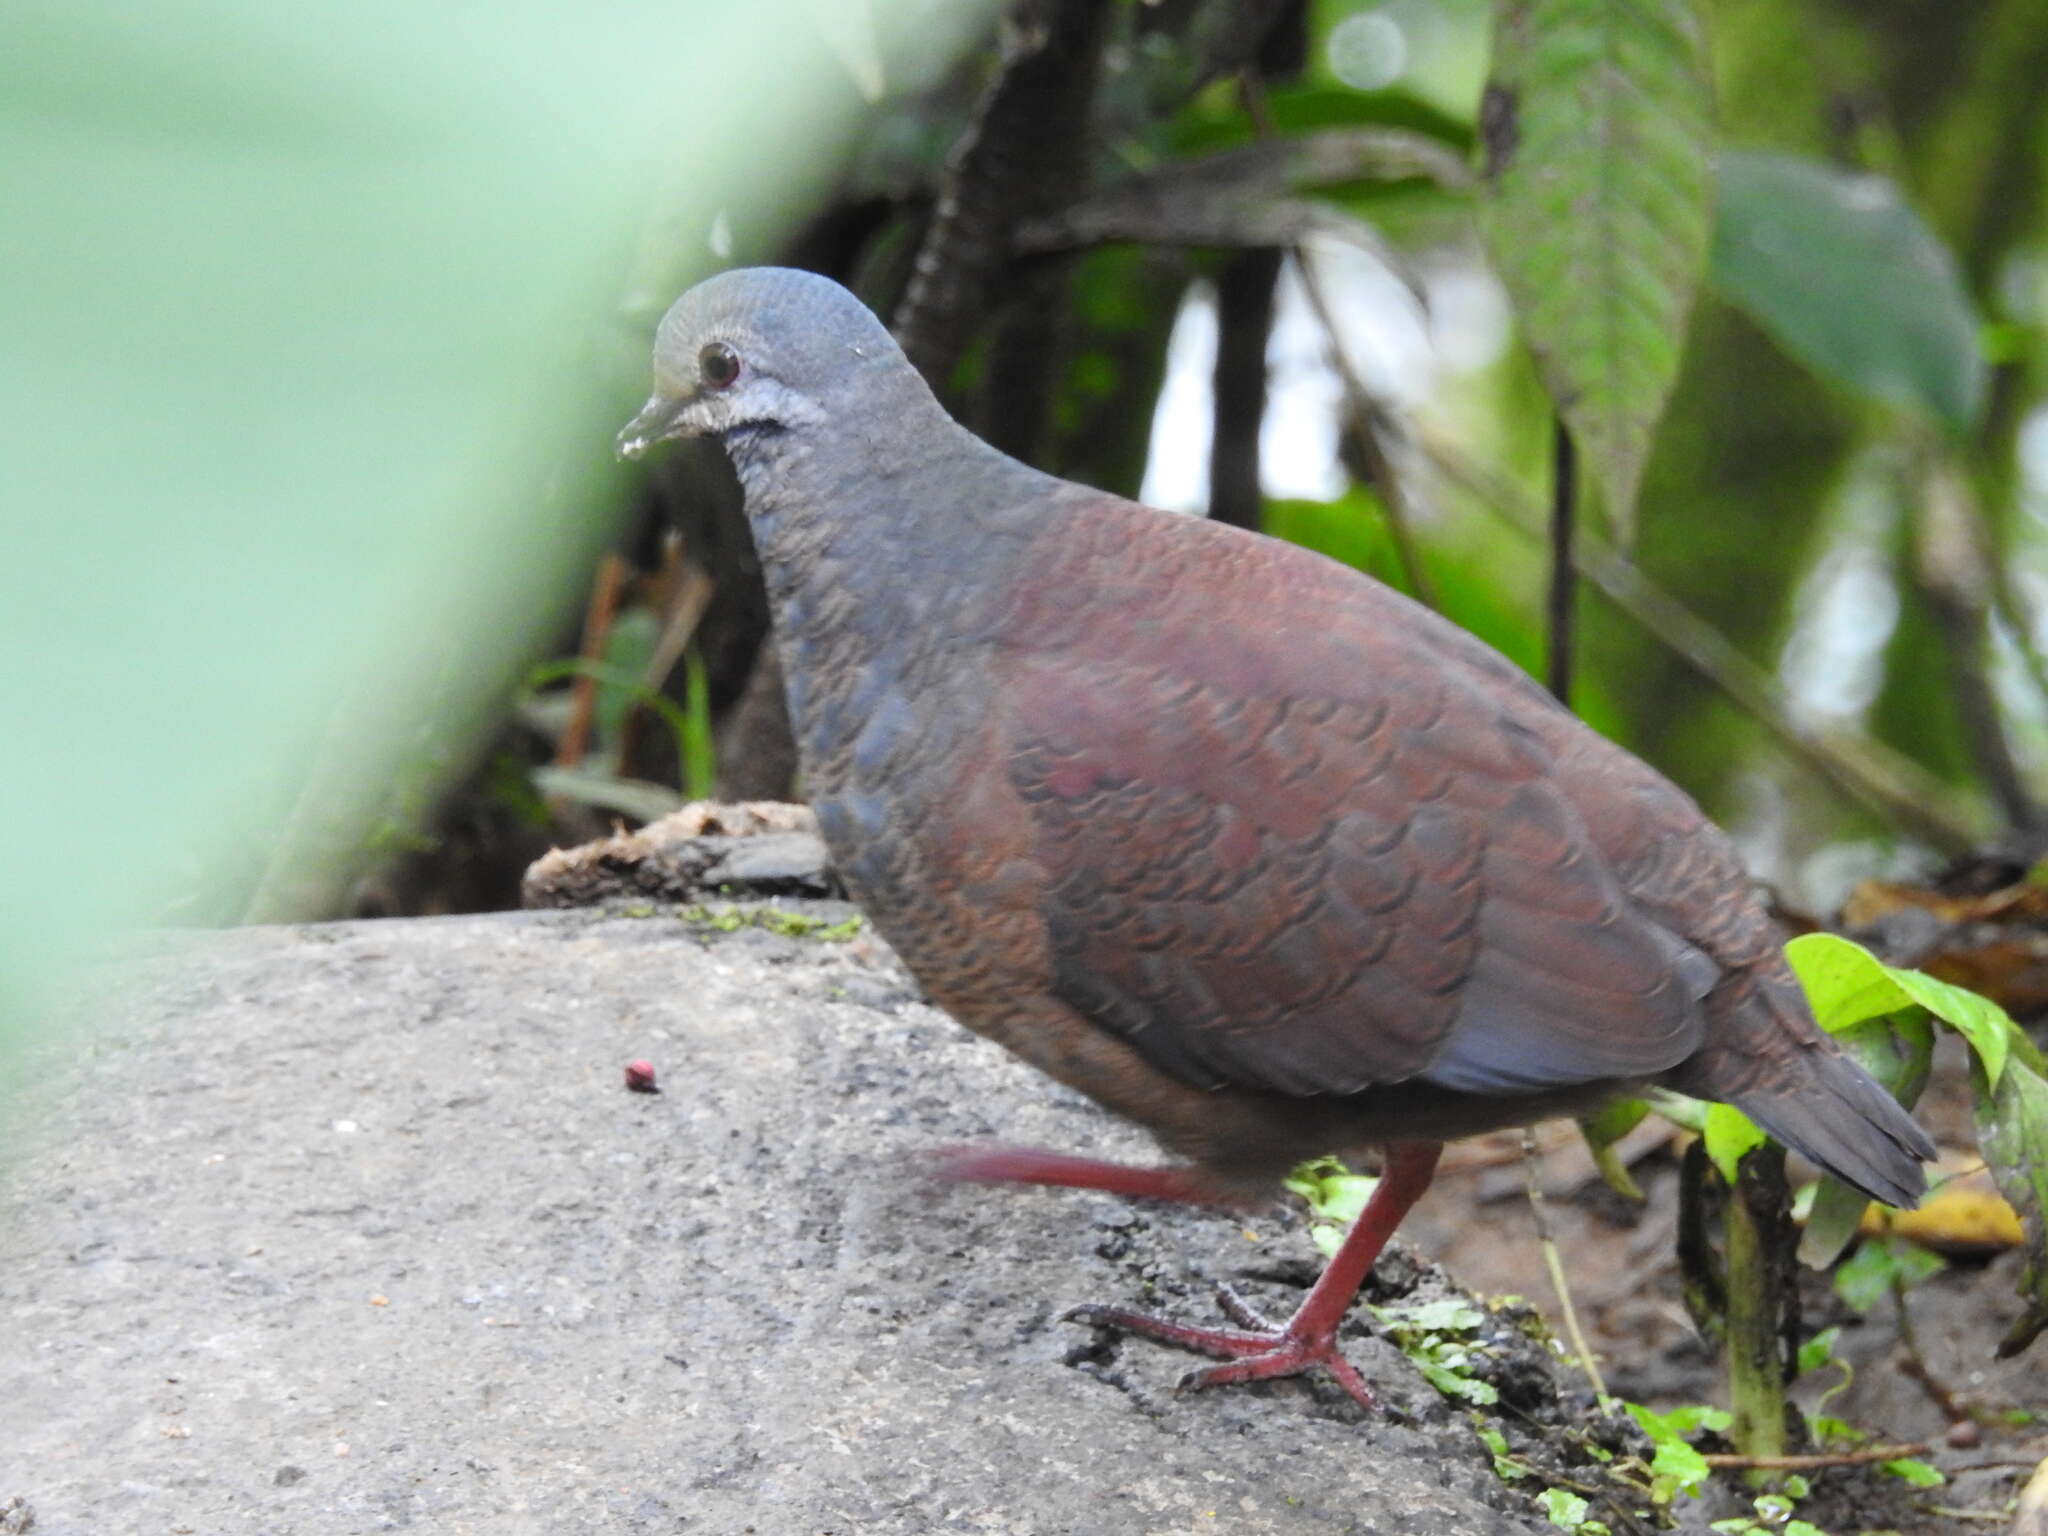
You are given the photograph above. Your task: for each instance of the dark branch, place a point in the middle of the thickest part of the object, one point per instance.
(1564, 486)
(1242, 197)
(1023, 156)
(1244, 321)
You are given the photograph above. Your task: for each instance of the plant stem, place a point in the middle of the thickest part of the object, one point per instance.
(1555, 1265)
(1755, 1300)
(1915, 1367)
(1370, 430)
(606, 587)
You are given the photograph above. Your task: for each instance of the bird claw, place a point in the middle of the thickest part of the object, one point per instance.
(1242, 1312)
(1259, 1353)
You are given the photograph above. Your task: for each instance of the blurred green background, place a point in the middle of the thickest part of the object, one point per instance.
(318, 324)
(314, 335)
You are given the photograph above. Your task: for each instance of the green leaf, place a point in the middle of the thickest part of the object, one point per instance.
(1454, 1383)
(1675, 1459)
(1564, 1507)
(2012, 1133)
(1871, 1272)
(1829, 1430)
(1598, 130)
(636, 798)
(1506, 1466)
(1335, 1196)
(700, 751)
(1846, 984)
(1333, 1192)
(1447, 1314)
(1918, 1473)
(1818, 1350)
(1680, 1421)
(1219, 120)
(1898, 1048)
(1832, 1223)
(1602, 1131)
(1680, 1462)
(1730, 1135)
(629, 648)
(1851, 281)
(1352, 529)
(690, 725)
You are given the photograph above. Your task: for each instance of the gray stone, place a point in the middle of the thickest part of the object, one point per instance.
(355, 1227)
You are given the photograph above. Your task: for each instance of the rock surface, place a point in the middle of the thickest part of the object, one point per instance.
(353, 1228)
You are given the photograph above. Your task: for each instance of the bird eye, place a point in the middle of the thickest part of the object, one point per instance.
(719, 365)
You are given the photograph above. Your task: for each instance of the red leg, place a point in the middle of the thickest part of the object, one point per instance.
(1309, 1338)
(1030, 1165)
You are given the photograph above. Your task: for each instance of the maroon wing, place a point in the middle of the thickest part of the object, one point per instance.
(1299, 834)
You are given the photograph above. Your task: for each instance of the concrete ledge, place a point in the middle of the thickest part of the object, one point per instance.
(355, 1228)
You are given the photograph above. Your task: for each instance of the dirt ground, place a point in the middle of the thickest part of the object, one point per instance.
(1623, 1272)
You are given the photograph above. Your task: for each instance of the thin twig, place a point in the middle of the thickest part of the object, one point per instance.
(1863, 770)
(1808, 1463)
(1363, 410)
(1952, 573)
(1992, 1464)
(1243, 196)
(1365, 414)
(1555, 1265)
(606, 587)
(1916, 1367)
(1949, 1512)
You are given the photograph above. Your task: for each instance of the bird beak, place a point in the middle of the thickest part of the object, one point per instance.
(659, 420)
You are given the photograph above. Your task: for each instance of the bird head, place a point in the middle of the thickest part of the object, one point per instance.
(762, 350)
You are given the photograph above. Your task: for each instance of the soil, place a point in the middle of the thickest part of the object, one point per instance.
(1625, 1283)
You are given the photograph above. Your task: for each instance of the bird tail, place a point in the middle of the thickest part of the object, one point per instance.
(1779, 1067)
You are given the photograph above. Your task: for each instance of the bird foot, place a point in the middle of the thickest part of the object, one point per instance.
(1255, 1351)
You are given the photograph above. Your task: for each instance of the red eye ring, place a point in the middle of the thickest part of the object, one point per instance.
(718, 365)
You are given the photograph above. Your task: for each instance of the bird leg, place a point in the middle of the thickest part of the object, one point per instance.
(1257, 1350)
(1033, 1165)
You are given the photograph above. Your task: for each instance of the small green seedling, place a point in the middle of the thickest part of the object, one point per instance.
(1918, 1473)
(1434, 1335)
(1772, 1514)
(1676, 1467)
(1568, 1510)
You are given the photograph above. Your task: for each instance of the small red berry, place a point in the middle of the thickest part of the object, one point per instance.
(640, 1077)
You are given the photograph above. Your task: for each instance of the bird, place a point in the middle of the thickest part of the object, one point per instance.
(1244, 845)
